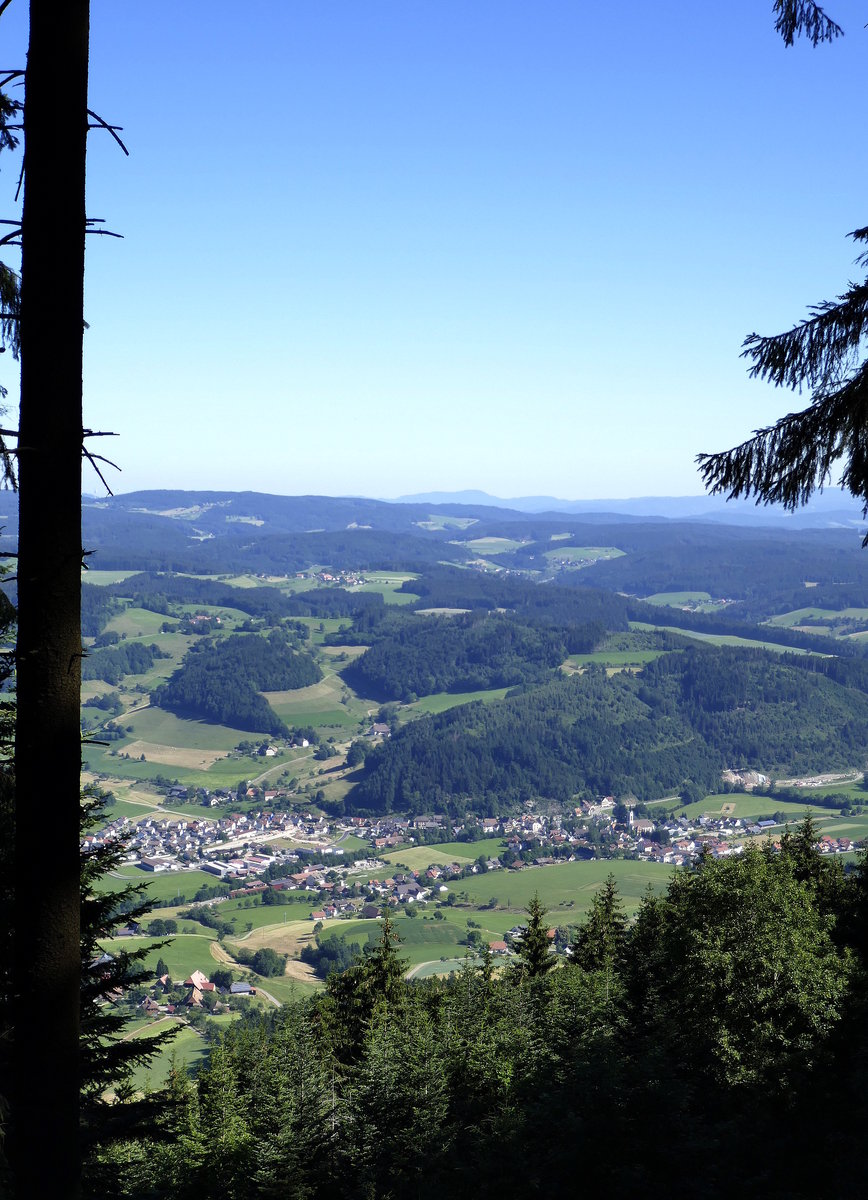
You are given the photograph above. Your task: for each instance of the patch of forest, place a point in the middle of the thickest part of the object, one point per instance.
(221, 680)
(114, 662)
(451, 587)
(416, 655)
(98, 606)
(686, 717)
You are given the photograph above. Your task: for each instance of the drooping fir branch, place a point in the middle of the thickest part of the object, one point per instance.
(797, 18)
(816, 351)
(787, 462)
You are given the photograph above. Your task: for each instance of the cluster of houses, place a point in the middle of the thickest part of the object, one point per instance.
(237, 846)
(197, 986)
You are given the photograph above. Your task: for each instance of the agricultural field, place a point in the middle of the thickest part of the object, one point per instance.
(319, 627)
(744, 805)
(193, 752)
(419, 858)
(322, 705)
(440, 701)
(182, 954)
(695, 601)
(164, 887)
(136, 622)
(387, 584)
(613, 658)
(492, 545)
(187, 1049)
(561, 884)
(720, 639)
(458, 851)
(581, 556)
(104, 578)
(828, 615)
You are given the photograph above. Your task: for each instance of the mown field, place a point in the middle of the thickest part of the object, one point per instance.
(104, 578)
(828, 616)
(387, 584)
(743, 805)
(163, 887)
(193, 752)
(329, 705)
(720, 639)
(614, 658)
(440, 701)
(568, 884)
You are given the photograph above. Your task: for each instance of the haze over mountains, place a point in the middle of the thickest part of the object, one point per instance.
(828, 509)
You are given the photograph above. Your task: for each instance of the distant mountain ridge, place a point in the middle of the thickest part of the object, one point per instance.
(832, 508)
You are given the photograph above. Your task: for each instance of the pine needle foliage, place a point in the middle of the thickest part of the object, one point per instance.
(107, 1060)
(803, 18)
(786, 463)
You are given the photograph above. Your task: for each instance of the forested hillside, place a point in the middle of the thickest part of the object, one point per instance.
(419, 655)
(690, 714)
(220, 680)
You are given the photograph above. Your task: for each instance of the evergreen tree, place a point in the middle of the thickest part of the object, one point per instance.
(787, 462)
(599, 942)
(534, 957)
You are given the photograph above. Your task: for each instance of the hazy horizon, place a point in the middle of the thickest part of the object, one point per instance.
(381, 250)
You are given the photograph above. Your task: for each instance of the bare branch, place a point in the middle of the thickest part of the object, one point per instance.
(112, 129)
(92, 459)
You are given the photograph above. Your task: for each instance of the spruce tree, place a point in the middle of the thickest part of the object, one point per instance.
(534, 957)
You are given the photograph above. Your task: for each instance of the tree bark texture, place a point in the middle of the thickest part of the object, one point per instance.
(45, 1134)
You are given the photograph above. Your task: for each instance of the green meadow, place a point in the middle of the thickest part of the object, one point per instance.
(319, 627)
(614, 658)
(562, 883)
(743, 805)
(136, 622)
(187, 1049)
(720, 639)
(828, 616)
(700, 601)
(492, 545)
(163, 887)
(182, 954)
(440, 701)
(104, 578)
(387, 583)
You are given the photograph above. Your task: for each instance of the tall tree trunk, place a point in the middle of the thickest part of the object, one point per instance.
(47, 746)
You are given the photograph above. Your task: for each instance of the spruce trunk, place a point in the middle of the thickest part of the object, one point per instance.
(47, 745)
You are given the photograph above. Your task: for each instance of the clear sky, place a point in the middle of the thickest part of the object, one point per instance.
(380, 247)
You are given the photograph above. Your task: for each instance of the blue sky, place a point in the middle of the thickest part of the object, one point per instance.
(377, 247)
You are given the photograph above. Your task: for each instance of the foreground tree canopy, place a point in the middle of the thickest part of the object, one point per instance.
(729, 1013)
